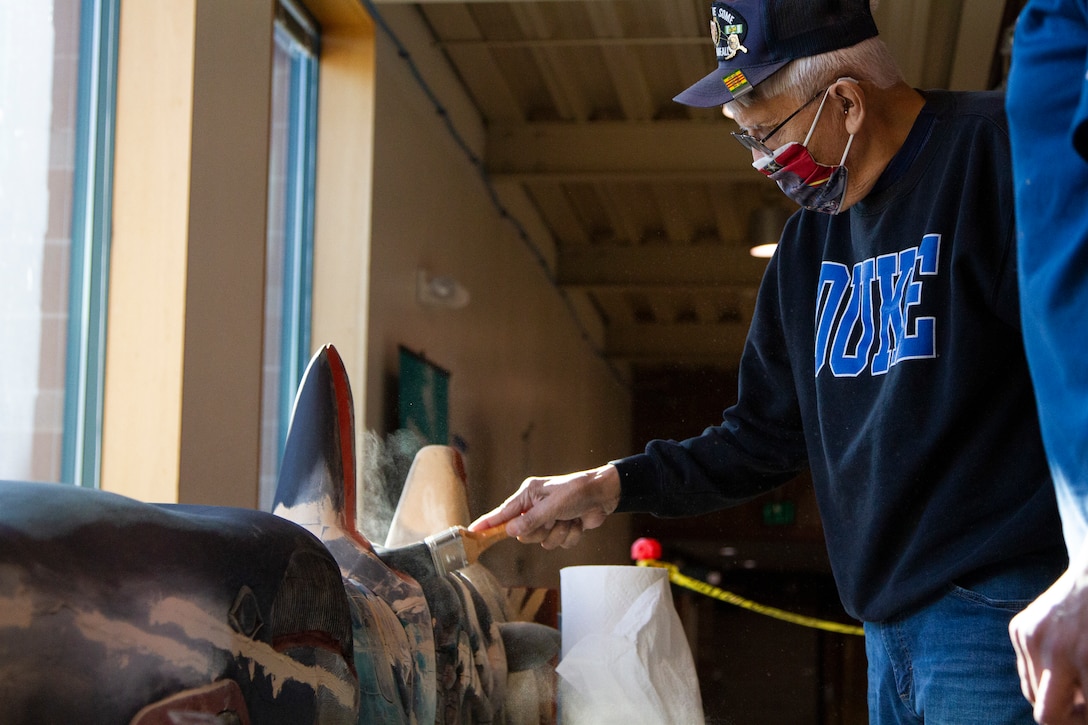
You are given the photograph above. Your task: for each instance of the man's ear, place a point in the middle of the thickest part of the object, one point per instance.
(848, 97)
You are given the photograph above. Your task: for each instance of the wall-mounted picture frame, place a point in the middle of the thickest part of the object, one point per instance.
(423, 397)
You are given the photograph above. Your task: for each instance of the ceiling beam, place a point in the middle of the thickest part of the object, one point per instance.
(475, 64)
(715, 343)
(678, 149)
(621, 63)
(572, 42)
(565, 91)
(646, 175)
(588, 266)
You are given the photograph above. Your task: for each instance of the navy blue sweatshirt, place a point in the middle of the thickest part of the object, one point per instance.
(885, 355)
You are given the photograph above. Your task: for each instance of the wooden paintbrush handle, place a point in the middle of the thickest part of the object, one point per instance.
(476, 542)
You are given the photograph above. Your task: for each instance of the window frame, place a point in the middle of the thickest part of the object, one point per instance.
(299, 224)
(294, 25)
(81, 448)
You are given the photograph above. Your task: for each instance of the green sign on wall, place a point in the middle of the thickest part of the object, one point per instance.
(423, 398)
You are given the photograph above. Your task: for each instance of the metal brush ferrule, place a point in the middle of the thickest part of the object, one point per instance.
(447, 550)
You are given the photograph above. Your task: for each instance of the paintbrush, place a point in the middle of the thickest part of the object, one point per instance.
(442, 553)
(457, 547)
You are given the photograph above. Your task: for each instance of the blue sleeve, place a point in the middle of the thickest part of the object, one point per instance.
(1048, 113)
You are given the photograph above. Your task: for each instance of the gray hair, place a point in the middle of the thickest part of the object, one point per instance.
(869, 60)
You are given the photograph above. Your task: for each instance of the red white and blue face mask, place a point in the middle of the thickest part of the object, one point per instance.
(813, 185)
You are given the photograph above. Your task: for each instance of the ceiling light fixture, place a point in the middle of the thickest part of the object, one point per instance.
(763, 251)
(765, 228)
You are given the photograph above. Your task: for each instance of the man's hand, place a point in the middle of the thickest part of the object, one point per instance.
(555, 510)
(1051, 641)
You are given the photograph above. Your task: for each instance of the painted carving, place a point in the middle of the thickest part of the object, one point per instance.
(116, 611)
(109, 605)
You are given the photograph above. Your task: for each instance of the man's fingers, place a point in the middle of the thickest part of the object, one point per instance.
(550, 511)
(510, 509)
(565, 534)
(1023, 661)
(536, 526)
(1054, 698)
(492, 518)
(538, 516)
(485, 522)
(574, 535)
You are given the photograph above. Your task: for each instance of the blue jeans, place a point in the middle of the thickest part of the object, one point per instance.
(951, 662)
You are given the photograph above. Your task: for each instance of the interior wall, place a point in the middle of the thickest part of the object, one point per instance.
(528, 394)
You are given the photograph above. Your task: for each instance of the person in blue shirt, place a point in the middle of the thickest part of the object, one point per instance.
(1047, 104)
(884, 355)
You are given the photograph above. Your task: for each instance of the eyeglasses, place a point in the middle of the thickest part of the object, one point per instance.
(752, 143)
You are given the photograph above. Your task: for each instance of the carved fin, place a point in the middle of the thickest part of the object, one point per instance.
(435, 497)
(316, 486)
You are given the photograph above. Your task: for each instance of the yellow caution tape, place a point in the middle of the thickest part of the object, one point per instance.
(730, 598)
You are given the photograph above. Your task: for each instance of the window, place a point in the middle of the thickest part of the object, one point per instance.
(56, 136)
(289, 267)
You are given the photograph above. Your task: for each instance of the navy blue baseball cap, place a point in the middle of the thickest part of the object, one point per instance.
(754, 38)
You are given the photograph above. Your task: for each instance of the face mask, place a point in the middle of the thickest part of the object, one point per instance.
(813, 185)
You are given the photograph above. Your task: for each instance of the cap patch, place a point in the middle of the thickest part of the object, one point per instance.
(757, 42)
(728, 29)
(737, 82)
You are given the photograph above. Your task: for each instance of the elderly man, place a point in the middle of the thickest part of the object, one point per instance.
(884, 355)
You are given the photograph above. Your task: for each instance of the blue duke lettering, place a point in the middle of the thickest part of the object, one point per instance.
(866, 317)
